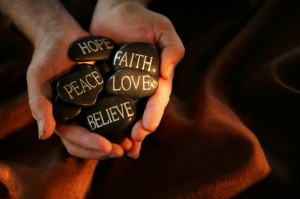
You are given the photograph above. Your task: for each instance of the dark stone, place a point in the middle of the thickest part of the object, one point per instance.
(81, 88)
(138, 55)
(91, 48)
(140, 105)
(64, 112)
(132, 83)
(110, 117)
(129, 73)
(104, 69)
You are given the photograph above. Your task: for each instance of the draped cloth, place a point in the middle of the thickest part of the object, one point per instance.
(230, 129)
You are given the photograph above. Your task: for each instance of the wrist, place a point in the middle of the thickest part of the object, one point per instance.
(64, 31)
(106, 5)
(39, 18)
(105, 10)
(61, 26)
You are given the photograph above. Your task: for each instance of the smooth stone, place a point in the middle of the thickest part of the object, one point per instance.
(105, 69)
(132, 83)
(91, 48)
(64, 112)
(81, 88)
(138, 55)
(110, 117)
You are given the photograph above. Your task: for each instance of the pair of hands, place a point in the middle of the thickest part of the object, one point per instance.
(123, 22)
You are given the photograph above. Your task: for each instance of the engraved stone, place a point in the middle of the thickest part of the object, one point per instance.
(110, 116)
(129, 73)
(81, 88)
(132, 83)
(64, 112)
(138, 55)
(91, 48)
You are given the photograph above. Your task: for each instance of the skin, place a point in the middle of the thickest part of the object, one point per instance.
(121, 20)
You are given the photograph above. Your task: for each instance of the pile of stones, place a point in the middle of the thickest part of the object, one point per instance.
(108, 96)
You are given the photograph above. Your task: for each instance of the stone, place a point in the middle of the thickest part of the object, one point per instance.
(110, 117)
(105, 69)
(129, 74)
(64, 112)
(138, 55)
(91, 48)
(132, 83)
(82, 87)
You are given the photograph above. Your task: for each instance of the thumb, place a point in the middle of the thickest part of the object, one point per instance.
(172, 51)
(40, 95)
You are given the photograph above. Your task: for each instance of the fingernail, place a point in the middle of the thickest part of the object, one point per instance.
(133, 156)
(113, 156)
(41, 129)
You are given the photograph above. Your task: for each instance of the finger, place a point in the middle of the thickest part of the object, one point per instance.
(87, 153)
(39, 94)
(126, 144)
(138, 132)
(156, 104)
(117, 151)
(81, 152)
(172, 51)
(82, 137)
(82, 143)
(134, 152)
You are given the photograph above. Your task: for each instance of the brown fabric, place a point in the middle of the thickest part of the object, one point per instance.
(229, 130)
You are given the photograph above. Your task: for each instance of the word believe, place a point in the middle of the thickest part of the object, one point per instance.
(110, 115)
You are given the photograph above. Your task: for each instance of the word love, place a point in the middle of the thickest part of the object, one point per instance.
(139, 55)
(111, 116)
(93, 48)
(82, 87)
(132, 83)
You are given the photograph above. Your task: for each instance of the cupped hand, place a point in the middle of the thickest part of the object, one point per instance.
(127, 22)
(49, 62)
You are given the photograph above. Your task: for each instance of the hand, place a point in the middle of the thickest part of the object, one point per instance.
(131, 22)
(50, 62)
(52, 29)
